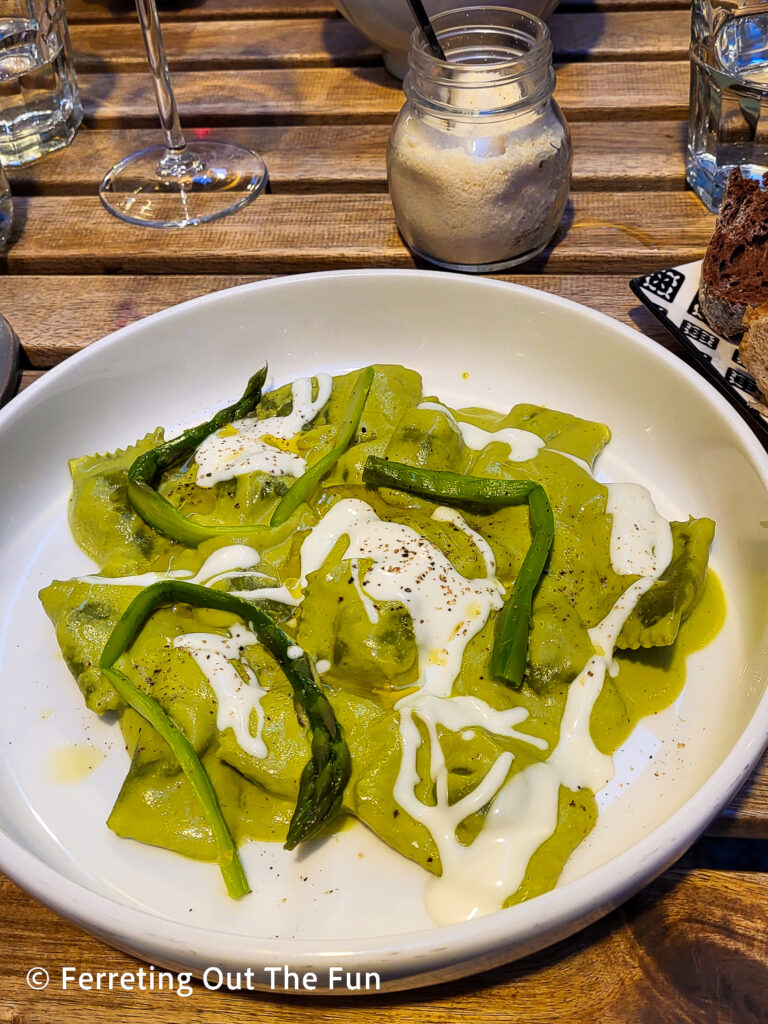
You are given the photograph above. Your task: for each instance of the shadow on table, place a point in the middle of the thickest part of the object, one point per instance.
(574, 35)
(367, 63)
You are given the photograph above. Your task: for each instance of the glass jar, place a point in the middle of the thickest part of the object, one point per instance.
(479, 158)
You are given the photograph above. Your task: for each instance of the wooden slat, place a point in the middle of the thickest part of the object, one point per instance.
(315, 158)
(588, 6)
(621, 35)
(211, 45)
(89, 11)
(84, 11)
(303, 158)
(29, 377)
(688, 949)
(57, 316)
(747, 813)
(586, 91)
(624, 233)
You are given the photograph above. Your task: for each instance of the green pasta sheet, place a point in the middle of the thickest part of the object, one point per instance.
(656, 619)
(156, 804)
(579, 572)
(429, 439)
(377, 764)
(395, 390)
(650, 679)
(560, 431)
(106, 527)
(576, 817)
(83, 616)
(101, 518)
(85, 612)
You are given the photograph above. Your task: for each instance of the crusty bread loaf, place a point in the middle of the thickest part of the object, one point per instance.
(753, 350)
(734, 274)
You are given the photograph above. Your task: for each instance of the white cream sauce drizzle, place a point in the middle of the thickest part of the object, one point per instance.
(225, 455)
(641, 539)
(235, 561)
(215, 655)
(477, 879)
(443, 514)
(222, 564)
(523, 444)
(237, 699)
(447, 610)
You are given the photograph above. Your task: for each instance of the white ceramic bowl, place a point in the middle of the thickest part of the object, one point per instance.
(330, 906)
(389, 23)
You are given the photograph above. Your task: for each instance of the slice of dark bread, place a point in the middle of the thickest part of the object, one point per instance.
(753, 350)
(734, 274)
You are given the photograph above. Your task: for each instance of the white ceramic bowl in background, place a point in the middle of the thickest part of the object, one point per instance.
(477, 342)
(389, 23)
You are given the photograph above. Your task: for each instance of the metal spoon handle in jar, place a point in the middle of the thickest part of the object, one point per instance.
(421, 16)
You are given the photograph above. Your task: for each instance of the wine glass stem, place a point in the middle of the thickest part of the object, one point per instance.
(161, 78)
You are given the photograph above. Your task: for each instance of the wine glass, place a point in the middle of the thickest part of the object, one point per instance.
(175, 185)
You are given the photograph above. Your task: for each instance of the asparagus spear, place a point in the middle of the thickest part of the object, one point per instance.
(306, 483)
(158, 513)
(145, 472)
(326, 773)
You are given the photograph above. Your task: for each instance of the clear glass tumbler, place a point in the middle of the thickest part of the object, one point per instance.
(40, 107)
(729, 94)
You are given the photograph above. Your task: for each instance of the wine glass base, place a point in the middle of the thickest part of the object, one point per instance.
(162, 188)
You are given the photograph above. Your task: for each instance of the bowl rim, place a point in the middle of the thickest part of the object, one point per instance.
(442, 952)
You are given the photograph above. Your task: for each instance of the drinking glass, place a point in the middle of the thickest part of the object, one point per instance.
(40, 108)
(728, 124)
(176, 184)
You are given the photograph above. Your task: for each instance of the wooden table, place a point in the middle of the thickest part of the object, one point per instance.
(293, 80)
